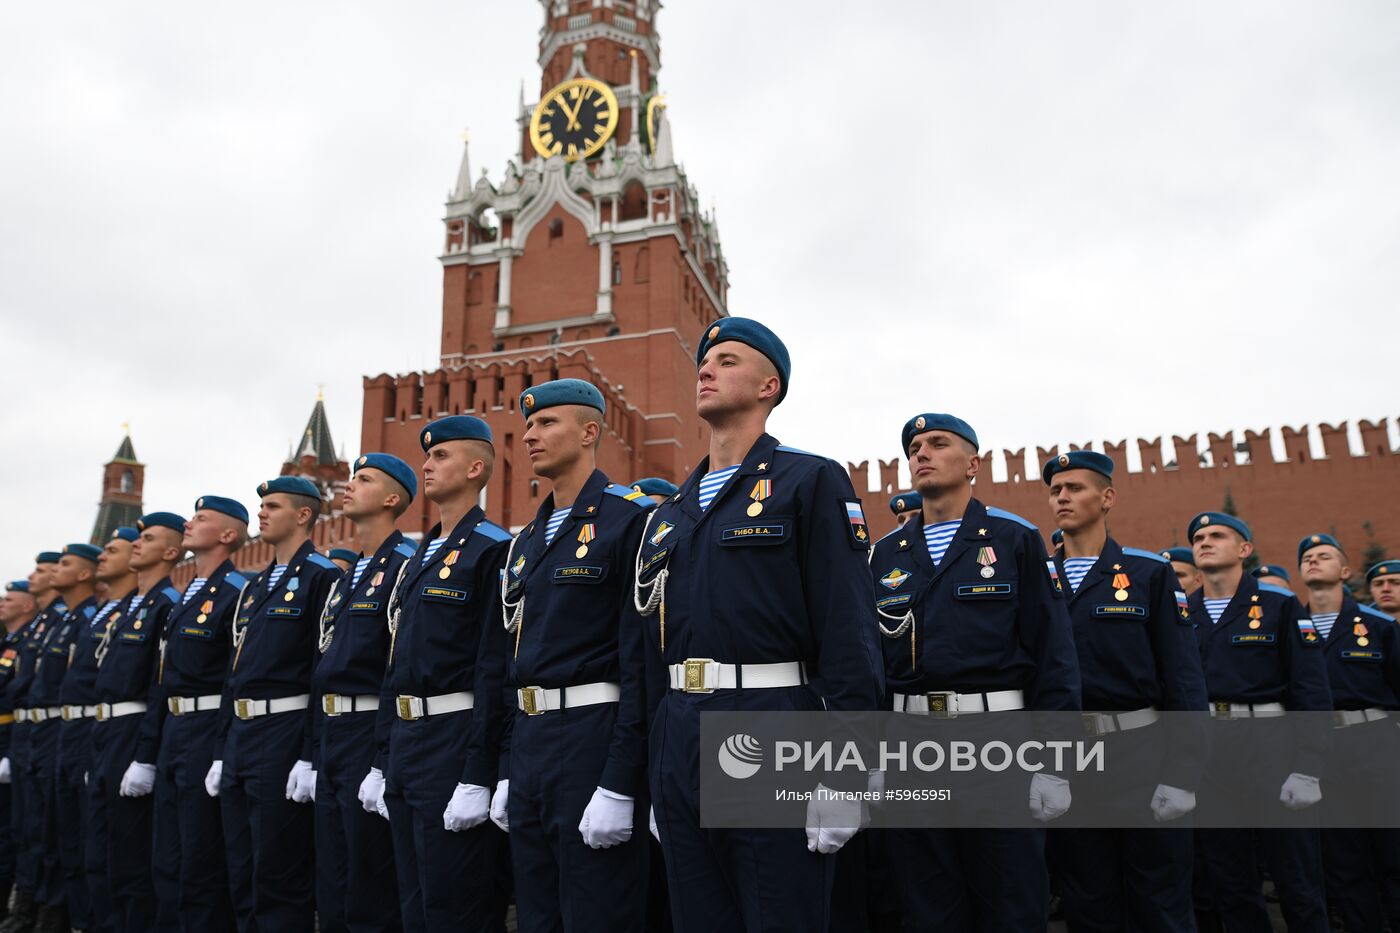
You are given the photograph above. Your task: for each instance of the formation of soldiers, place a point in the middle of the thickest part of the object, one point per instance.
(397, 739)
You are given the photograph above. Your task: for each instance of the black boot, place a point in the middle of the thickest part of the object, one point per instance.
(51, 919)
(22, 915)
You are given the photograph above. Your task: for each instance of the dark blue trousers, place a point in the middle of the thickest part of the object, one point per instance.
(1125, 880)
(356, 889)
(43, 830)
(971, 880)
(120, 831)
(560, 883)
(75, 759)
(188, 863)
(755, 880)
(267, 838)
(447, 881)
(21, 790)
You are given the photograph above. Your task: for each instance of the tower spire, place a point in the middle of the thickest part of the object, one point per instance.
(464, 171)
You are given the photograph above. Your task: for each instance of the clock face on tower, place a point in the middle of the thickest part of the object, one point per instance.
(574, 119)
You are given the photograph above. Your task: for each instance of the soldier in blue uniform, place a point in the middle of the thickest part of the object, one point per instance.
(904, 506)
(1188, 578)
(126, 728)
(26, 822)
(1261, 655)
(576, 763)
(1383, 580)
(753, 580)
(1137, 655)
(655, 488)
(974, 620)
(438, 727)
(17, 611)
(82, 820)
(355, 885)
(188, 866)
(1272, 575)
(61, 887)
(264, 772)
(1362, 648)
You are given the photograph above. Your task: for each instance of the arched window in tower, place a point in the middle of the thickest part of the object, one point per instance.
(643, 269)
(556, 229)
(128, 481)
(617, 272)
(634, 202)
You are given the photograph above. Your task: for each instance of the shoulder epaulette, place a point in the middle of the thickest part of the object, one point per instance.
(1145, 555)
(172, 594)
(491, 530)
(1373, 611)
(1276, 590)
(320, 560)
(639, 499)
(89, 612)
(234, 578)
(405, 548)
(1010, 517)
(796, 450)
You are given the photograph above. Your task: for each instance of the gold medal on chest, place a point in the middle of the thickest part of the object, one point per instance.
(582, 551)
(444, 573)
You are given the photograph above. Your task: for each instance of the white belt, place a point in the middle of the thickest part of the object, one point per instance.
(70, 713)
(411, 708)
(1354, 717)
(1104, 723)
(702, 675)
(106, 711)
(946, 701)
(1223, 710)
(251, 709)
(21, 715)
(179, 706)
(334, 704)
(45, 713)
(535, 700)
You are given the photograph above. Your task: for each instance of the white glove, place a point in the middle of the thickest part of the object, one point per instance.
(5, 770)
(372, 793)
(138, 781)
(607, 820)
(469, 806)
(1299, 792)
(498, 805)
(1170, 803)
(831, 821)
(301, 783)
(212, 779)
(1049, 797)
(651, 824)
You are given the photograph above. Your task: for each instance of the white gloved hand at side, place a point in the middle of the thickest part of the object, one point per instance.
(371, 793)
(1299, 791)
(212, 779)
(470, 806)
(301, 783)
(607, 820)
(138, 781)
(832, 819)
(1050, 797)
(1170, 803)
(498, 805)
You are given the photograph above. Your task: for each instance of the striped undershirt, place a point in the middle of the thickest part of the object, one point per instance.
(556, 519)
(712, 483)
(1077, 568)
(1324, 621)
(195, 586)
(1216, 607)
(432, 547)
(938, 537)
(360, 566)
(102, 613)
(275, 576)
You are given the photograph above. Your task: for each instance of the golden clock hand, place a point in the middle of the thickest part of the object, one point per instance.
(573, 117)
(570, 116)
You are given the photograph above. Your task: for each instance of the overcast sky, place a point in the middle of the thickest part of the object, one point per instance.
(1064, 221)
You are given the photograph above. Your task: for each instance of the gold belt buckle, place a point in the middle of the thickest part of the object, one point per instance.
(1221, 706)
(1093, 725)
(66, 713)
(531, 700)
(695, 675)
(101, 712)
(173, 703)
(406, 708)
(941, 701)
(243, 708)
(328, 703)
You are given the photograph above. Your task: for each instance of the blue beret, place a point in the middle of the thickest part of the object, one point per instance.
(85, 551)
(748, 331)
(905, 502)
(344, 553)
(561, 392)
(454, 428)
(401, 472)
(1078, 460)
(1312, 541)
(1180, 555)
(1057, 536)
(126, 533)
(1385, 568)
(291, 485)
(17, 586)
(1218, 518)
(162, 520)
(655, 486)
(1270, 570)
(47, 557)
(230, 507)
(932, 421)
